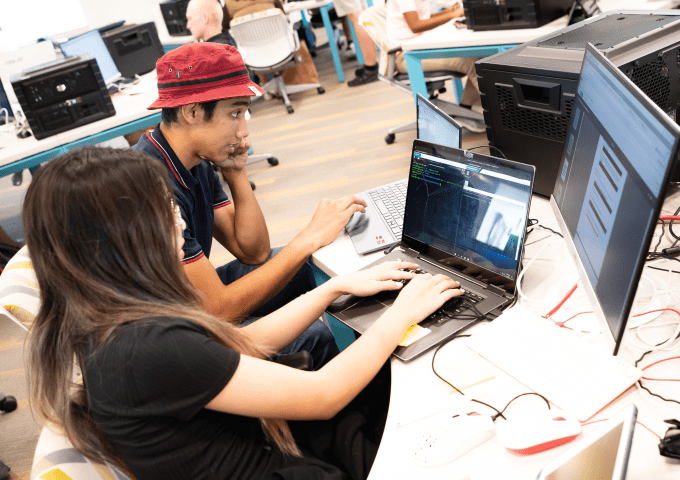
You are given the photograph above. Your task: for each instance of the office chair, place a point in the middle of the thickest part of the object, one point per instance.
(374, 21)
(269, 45)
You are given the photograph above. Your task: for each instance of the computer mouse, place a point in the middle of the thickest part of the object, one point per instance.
(24, 133)
(532, 432)
(448, 438)
(357, 221)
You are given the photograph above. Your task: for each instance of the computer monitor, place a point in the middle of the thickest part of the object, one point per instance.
(435, 126)
(92, 43)
(617, 161)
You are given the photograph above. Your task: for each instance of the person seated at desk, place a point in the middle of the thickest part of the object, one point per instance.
(204, 21)
(204, 91)
(169, 391)
(297, 75)
(369, 71)
(406, 19)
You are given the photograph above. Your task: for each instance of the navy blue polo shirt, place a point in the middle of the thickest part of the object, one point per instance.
(198, 192)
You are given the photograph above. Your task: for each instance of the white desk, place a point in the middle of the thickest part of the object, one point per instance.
(416, 392)
(449, 41)
(131, 115)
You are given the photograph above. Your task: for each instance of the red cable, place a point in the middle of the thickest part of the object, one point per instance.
(561, 324)
(669, 217)
(661, 379)
(559, 305)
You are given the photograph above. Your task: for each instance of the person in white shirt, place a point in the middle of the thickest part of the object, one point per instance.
(406, 19)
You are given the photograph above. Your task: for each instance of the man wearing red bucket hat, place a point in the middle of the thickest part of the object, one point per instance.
(204, 91)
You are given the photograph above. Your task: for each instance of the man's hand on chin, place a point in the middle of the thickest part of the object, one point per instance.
(237, 159)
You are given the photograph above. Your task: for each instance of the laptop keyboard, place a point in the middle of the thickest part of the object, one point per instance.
(390, 200)
(453, 307)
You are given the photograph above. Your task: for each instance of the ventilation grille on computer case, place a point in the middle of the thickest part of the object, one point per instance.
(653, 79)
(531, 122)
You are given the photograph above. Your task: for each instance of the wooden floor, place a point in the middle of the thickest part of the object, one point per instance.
(333, 145)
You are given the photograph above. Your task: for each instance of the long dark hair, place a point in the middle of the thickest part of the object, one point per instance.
(99, 230)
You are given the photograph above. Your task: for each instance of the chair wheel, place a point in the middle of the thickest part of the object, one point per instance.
(252, 185)
(273, 161)
(290, 109)
(8, 404)
(321, 90)
(389, 139)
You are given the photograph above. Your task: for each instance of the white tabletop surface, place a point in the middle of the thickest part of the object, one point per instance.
(418, 396)
(448, 36)
(130, 105)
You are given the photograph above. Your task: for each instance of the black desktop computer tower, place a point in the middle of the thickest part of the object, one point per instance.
(175, 17)
(528, 91)
(62, 95)
(134, 48)
(504, 14)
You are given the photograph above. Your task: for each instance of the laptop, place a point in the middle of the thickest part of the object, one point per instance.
(380, 227)
(602, 454)
(465, 217)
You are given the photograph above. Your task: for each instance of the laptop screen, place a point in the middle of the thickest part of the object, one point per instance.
(435, 126)
(92, 43)
(468, 211)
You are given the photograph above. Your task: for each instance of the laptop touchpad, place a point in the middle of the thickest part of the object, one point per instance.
(364, 314)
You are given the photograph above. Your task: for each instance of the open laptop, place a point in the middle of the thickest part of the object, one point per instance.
(602, 454)
(92, 43)
(380, 227)
(465, 217)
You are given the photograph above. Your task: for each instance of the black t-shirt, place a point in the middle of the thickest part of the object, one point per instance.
(148, 388)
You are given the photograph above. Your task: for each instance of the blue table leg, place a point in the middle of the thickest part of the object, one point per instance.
(308, 31)
(415, 69)
(331, 41)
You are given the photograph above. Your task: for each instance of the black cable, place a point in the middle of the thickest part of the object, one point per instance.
(550, 230)
(389, 250)
(663, 269)
(500, 414)
(489, 147)
(647, 389)
(435, 371)
(670, 225)
(523, 394)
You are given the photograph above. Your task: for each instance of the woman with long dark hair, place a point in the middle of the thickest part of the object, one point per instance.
(167, 390)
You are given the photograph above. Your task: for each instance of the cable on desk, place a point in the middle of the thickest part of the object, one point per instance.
(661, 379)
(562, 302)
(521, 395)
(521, 274)
(647, 389)
(389, 250)
(489, 147)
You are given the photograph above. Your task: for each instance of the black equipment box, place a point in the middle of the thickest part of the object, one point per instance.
(62, 95)
(175, 16)
(134, 48)
(528, 91)
(508, 14)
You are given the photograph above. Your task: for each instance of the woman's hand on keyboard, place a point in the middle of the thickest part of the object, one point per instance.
(386, 276)
(423, 295)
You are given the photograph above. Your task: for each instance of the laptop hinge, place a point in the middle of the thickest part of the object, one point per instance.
(496, 290)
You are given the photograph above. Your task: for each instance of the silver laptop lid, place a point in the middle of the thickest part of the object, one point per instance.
(435, 126)
(468, 211)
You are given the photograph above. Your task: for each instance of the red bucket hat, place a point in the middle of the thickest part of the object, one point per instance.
(202, 72)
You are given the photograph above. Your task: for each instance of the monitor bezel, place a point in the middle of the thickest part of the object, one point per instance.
(420, 99)
(613, 341)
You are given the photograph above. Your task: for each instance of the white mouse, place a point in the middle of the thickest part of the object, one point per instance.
(444, 440)
(528, 433)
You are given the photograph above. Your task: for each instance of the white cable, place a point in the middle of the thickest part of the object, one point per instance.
(667, 345)
(521, 274)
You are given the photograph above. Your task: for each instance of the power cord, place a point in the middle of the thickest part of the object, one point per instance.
(647, 389)
(499, 413)
(489, 147)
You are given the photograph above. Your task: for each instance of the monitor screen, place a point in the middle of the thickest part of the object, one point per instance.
(92, 43)
(435, 126)
(619, 153)
(468, 211)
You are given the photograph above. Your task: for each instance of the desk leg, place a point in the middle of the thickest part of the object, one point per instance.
(331, 41)
(415, 75)
(308, 31)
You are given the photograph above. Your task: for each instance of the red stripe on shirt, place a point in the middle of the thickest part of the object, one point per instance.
(172, 168)
(192, 260)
